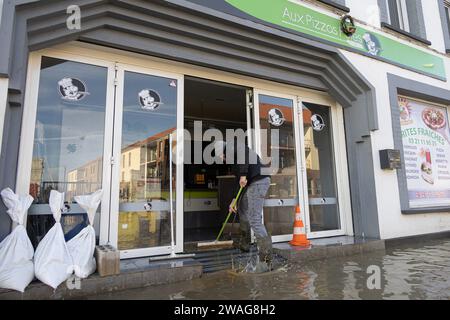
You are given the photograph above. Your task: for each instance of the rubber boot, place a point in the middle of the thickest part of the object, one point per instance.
(265, 251)
(243, 243)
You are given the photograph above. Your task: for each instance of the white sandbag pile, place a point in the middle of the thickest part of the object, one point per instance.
(52, 260)
(16, 251)
(82, 246)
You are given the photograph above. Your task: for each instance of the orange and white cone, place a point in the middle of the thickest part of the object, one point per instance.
(299, 237)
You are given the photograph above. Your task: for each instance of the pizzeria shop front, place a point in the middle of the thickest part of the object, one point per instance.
(132, 113)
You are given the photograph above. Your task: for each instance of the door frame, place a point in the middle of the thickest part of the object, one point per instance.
(340, 167)
(298, 137)
(110, 162)
(121, 68)
(340, 161)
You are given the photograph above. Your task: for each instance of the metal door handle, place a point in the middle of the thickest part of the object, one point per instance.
(65, 208)
(148, 206)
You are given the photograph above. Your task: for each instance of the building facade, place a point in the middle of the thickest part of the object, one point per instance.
(97, 95)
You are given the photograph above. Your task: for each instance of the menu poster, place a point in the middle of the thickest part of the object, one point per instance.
(426, 146)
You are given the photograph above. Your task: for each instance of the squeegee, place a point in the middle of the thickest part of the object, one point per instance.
(223, 243)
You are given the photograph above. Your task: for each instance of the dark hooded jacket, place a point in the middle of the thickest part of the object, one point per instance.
(245, 163)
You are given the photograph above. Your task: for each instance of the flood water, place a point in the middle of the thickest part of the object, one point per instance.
(406, 272)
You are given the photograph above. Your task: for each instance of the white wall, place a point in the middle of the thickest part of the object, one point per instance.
(368, 12)
(365, 10)
(433, 24)
(392, 222)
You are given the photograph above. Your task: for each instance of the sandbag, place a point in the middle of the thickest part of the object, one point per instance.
(52, 261)
(16, 250)
(82, 246)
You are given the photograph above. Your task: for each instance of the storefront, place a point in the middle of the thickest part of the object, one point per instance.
(92, 125)
(104, 106)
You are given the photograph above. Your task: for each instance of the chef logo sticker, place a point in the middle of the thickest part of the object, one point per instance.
(372, 44)
(149, 99)
(72, 89)
(317, 122)
(276, 117)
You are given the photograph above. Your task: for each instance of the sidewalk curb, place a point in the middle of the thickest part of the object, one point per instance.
(319, 252)
(95, 284)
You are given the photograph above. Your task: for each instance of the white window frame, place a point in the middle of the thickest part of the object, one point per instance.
(122, 68)
(25, 158)
(340, 160)
(339, 148)
(257, 144)
(112, 163)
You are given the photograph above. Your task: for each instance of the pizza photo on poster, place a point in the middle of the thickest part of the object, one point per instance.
(426, 149)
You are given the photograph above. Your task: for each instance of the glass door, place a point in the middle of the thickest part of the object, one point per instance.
(145, 219)
(323, 213)
(276, 141)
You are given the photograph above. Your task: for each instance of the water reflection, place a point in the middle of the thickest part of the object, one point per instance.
(149, 118)
(408, 272)
(68, 141)
(277, 114)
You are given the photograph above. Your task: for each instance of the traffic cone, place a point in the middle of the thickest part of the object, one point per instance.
(299, 237)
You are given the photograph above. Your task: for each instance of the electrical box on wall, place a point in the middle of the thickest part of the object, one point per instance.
(390, 159)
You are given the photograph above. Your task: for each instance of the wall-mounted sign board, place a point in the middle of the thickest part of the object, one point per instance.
(294, 17)
(426, 149)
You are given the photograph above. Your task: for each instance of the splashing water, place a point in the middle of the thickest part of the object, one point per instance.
(251, 265)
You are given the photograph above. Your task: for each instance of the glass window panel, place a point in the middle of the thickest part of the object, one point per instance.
(282, 197)
(69, 135)
(321, 181)
(149, 117)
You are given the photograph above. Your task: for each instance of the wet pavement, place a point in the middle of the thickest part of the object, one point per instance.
(419, 271)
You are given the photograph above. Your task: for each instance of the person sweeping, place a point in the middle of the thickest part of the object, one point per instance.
(247, 167)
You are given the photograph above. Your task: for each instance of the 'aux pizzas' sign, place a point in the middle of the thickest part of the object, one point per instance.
(297, 18)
